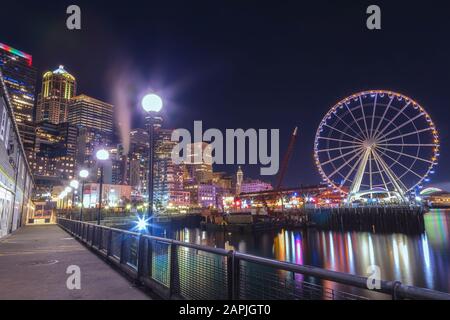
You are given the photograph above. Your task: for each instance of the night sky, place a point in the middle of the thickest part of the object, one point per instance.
(245, 64)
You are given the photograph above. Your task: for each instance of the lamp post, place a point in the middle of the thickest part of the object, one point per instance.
(102, 155)
(66, 200)
(151, 104)
(61, 200)
(83, 174)
(74, 184)
(67, 191)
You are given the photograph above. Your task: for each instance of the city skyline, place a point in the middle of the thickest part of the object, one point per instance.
(249, 66)
(240, 151)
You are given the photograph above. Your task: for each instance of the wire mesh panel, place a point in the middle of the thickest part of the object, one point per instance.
(266, 283)
(92, 234)
(83, 226)
(116, 242)
(130, 252)
(105, 239)
(88, 233)
(200, 275)
(160, 262)
(96, 236)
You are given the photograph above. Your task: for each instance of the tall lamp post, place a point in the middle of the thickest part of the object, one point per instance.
(102, 155)
(83, 174)
(67, 190)
(152, 104)
(61, 200)
(74, 184)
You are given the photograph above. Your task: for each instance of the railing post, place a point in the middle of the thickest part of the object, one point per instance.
(108, 250)
(141, 256)
(230, 274)
(149, 258)
(100, 239)
(233, 273)
(395, 285)
(93, 235)
(122, 247)
(173, 268)
(236, 277)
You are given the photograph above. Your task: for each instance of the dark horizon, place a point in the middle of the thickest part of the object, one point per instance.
(245, 65)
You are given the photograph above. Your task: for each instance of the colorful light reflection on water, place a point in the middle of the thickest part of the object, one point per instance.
(419, 260)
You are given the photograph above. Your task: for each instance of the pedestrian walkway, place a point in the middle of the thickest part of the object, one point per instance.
(33, 264)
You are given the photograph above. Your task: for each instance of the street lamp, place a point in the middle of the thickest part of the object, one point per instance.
(102, 155)
(83, 174)
(151, 104)
(74, 184)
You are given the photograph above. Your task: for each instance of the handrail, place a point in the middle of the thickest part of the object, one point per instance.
(393, 288)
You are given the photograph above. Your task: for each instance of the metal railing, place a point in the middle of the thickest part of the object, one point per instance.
(179, 270)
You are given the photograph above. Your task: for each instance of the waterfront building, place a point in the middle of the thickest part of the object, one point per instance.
(202, 195)
(222, 180)
(435, 197)
(58, 88)
(16, 181)
(113, 195)
(19, 77)
(250, 186)
(28, 135)
(224, 187)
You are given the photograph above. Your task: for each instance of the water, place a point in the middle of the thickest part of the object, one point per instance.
(420, 260)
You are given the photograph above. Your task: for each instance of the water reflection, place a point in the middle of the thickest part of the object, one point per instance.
(420, 260)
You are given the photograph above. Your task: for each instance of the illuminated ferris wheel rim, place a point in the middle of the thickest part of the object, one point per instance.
(363, 141)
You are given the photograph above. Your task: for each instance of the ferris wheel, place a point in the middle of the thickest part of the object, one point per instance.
(376, 142)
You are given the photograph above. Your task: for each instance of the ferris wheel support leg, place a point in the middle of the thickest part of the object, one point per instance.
(356, 185)
(395, 181)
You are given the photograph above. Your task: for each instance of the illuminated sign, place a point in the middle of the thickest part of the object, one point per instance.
(19, 53)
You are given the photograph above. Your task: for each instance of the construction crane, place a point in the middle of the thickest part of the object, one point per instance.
(283, 169)
(287, 157)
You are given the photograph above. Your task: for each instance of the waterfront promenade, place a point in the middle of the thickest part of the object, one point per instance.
(33, 264)
(34, 260)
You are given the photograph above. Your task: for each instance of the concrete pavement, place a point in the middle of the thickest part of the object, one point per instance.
(33, 264)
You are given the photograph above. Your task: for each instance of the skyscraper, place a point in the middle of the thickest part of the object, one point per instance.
(54, 155)
(94, 120)
(88, 142)
(88, 112)
(20, 79)
(199, 162)
(58, 87)
(168, 176)
(138, 157)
